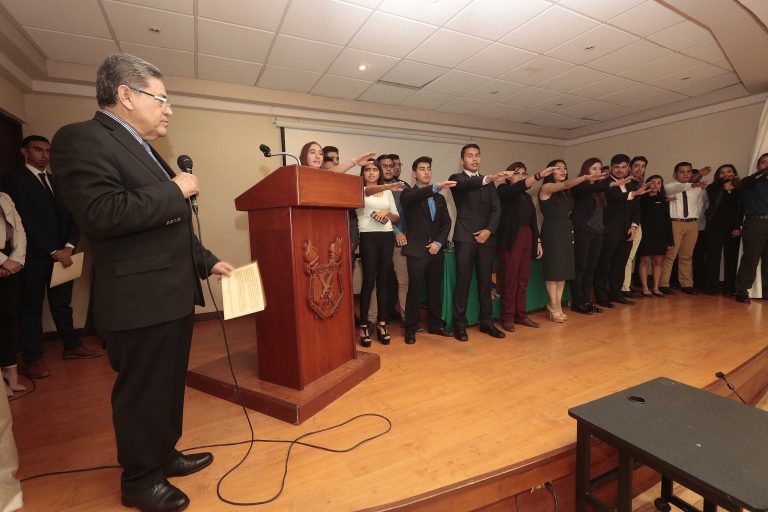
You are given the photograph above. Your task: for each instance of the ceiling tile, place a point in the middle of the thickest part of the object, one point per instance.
(170, 62)
(587, 108)
(708, 51)
(391, 35)
(538, 35)
(601, 9)
(232, 41)
(233, 71)
(681, 36)
(495, 60)
(457, 83)
(495, 90)
(663, 98)
(537, 70)
(388, 94)
(261, 15)
(558, 121)
(530, 97)
(497, 111)
(436, 13)
(607, 86)
(612, 113)
(603, 40)
(180, 6)
(447, 48)
(573, 79)
(522, 115)
(723, 63)
(559, 103)
(71, 48)
(464, 106)
(636, 93)
(346, 64)
(364, 3)
(84, 16)
(327, 21)
(659, 68)
(131, 24)
(683, 80)
(631, 56)
(297, 53)
(413, 73)
(286, 79)
(340, 87)
(647, 18)
(426, 100)
(695, 88)
(492, 19)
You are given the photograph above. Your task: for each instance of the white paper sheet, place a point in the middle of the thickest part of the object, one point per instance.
(243, 292)
(63, 274)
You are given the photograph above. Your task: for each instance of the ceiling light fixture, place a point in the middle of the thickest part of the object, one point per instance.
(686, 78)
(590, 47)
(154, 29)
(362, 67)
(495, 91)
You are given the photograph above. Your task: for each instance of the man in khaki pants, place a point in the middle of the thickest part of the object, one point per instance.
(684, 210)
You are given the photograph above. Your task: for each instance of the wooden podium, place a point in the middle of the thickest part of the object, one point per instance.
(306, 353)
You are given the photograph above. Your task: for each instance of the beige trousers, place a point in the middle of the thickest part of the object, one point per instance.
(685, 235)
(631, 260)
(10, 488)
(400, 263)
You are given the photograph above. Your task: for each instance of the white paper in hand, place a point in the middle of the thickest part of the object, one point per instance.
(62, 274)
(243, 292)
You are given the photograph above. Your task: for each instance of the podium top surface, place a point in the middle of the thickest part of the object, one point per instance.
(295, 185)
(710, 439)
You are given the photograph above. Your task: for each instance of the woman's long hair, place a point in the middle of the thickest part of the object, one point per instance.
(551, 177)
(736, 180)
(305, 151)
(662, 192)
(589, 162)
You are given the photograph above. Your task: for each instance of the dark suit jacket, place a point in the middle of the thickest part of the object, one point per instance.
(620, 213)
(146, 258)
(715, 193)
(509, 224)
(422, 230)
(584, 202)
(477, 208)
(48, 225)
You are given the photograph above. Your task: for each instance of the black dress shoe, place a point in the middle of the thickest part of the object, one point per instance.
(666, 290)
(162, 497)
(410, 336)
(440, 331)
(622, 300)
(584, 309)
(742, 296)
(595, 308)
(527, 322)
(605, 304)
(460, 333)
(492, 331)
(184, 465)
(689, 290)
(631, 295)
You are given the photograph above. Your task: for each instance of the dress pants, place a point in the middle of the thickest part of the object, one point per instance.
(480, 257)
(35, 279)
(421, 269)
(587, 246)
(699, 261)
(397, 291)
(685, 235)
(148, 397)
(755, 239)
(516, 271)
(376, 254)
(630, 267)
(719, 242)
(609, 276)
(10, 297)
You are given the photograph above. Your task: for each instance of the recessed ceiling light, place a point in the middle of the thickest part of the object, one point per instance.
(495, 91)
(686, 78)
(558, 104)
(590, 47)
(362, 67)
(154, 29)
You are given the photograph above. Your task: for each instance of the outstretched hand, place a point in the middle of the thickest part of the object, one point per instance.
(445, 184)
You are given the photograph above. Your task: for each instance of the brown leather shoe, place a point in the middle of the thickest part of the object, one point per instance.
(508, 326)
(37, 370)
(81, 353)
(526, 322)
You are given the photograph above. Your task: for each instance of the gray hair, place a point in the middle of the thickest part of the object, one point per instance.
(122, 69)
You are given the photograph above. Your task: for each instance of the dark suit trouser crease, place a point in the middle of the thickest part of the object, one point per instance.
(148, 397)
(376, 250)
(719, 242)
(421, 270)
(10, 297)
(586, 249)
(35, 279)
(516, 271)
(755, 239)
(480, 257)
(609, 276)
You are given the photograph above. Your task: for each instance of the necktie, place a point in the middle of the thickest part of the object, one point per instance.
(685, 204)
(8, 227)
(44, 181)
(149, 150)
(432, 207)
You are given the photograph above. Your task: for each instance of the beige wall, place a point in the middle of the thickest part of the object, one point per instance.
(12, 99)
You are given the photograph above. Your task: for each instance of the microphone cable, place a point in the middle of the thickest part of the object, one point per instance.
(721, 376)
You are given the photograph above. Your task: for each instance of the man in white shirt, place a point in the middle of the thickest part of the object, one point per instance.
(684, 210)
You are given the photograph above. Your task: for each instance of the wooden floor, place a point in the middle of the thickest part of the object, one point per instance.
(458, 410)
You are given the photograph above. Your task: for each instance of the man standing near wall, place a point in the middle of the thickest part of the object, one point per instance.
(637, 171)
(754, 195)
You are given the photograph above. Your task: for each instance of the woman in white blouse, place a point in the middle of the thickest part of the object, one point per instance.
(377, 242)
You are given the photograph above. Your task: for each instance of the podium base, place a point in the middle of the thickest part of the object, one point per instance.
(286, 404)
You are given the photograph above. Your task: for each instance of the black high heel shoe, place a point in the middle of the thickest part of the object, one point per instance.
(381, 333)
(365, 337)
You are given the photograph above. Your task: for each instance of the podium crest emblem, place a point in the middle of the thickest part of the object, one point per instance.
(325, 283)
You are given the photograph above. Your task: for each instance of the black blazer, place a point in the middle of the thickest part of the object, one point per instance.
(146, 258)
(477, 208)
(584, 202)
(48, 225)
(620, 212)
(422, 230)
(509, 224)
(715, 194)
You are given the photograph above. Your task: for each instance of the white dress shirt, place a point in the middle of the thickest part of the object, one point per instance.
(694, 197)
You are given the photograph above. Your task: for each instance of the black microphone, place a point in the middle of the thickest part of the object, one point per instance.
(265, 149)
(721, 376)
(185, 164)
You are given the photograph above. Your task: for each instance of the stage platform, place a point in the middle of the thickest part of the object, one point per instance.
(475, 426)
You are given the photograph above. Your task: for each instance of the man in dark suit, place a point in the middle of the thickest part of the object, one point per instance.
(428, 226)
(135, 211)
(477, 216)
(51, 237)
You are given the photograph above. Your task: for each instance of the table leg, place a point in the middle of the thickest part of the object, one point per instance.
(666, 488)
(583, 442)
(709, 506)
(624, 496)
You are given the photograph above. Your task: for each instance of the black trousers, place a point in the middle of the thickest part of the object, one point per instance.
(421, 269)
(719, 242)
(148, 397)
(35, 279)
(480, 257)
(699, 262)
(376, 253)
(755, 239)
(609, 276)
(10, 298)
(587, 246)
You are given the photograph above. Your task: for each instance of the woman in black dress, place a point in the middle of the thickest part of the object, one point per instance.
(657, 234)
(723, 232)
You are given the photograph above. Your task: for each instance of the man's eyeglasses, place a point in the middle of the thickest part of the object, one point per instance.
(164, 102)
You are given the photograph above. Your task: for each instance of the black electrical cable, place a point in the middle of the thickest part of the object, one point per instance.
(551, 488)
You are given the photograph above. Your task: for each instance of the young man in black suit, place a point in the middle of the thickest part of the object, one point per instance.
(477, 216)
(51, 237)
(147, 263)
(428, 226)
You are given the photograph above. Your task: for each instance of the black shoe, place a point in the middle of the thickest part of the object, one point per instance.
(492, 331)
(605, 304)
(622, 300)
(584, 309)
(595, 308)
(742, 296)
(183, 465)
(381, 333)
(527, 322)
(508, 326)
(460, 333)
(365, 335)
(410, 336)
(631, 295)
(162, 497)
(440, 331)
(666, 290)
(689, 290)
